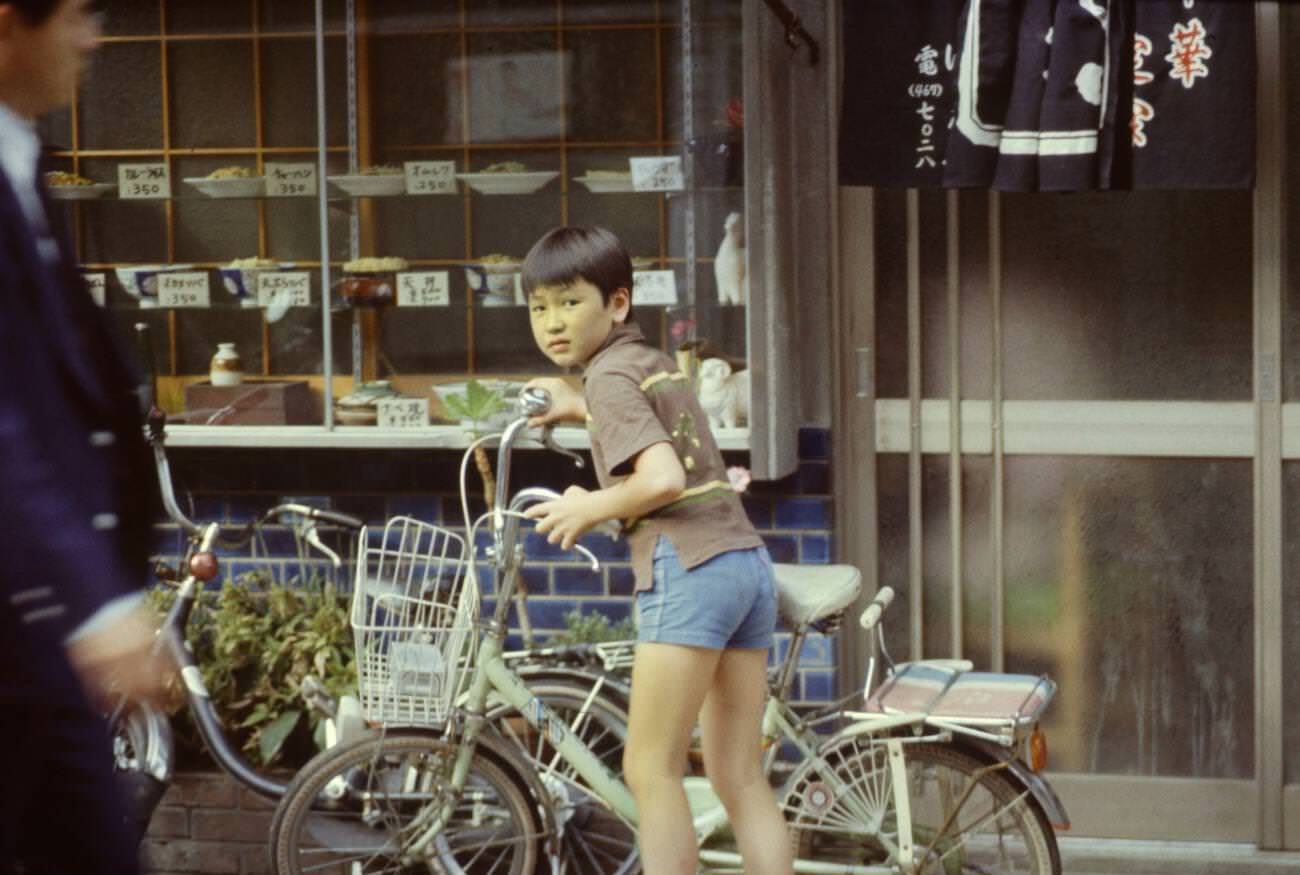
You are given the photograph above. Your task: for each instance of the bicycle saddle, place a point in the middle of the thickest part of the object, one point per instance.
(808, 593)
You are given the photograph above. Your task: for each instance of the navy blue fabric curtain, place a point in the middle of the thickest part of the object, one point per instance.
(1049, 95)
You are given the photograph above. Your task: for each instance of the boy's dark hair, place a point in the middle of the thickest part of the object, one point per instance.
(34, 12)
(569, 253)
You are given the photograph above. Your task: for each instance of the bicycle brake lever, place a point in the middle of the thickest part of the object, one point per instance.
(548, 441)
(591, 557)
(312, 536)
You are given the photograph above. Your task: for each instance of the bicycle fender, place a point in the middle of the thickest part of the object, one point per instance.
(1021, 774)
(585, 678)
(506, 754)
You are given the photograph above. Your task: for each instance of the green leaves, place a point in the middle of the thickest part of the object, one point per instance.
(592, 628)
(478, 404)
(254, 641)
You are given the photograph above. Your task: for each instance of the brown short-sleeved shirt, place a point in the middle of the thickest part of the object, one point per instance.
(636, 397)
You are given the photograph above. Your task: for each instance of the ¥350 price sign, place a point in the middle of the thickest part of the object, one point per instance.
(403, 412)
(290, 180)
(144, 181)
(657, 173)
(183, 289)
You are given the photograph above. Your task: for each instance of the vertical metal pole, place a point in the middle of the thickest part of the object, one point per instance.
(996, 635)
(1269, 286)
(688, 159)
(354, 219)
(954, 417)
(915, 529)
(322, 201)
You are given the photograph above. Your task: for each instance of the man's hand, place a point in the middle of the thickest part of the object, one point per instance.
(120, 658)
(566, 519)
(567, 403)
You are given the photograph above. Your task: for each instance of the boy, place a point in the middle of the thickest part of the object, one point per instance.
(704, 586)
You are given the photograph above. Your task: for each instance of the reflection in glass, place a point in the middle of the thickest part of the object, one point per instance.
(1130, 582)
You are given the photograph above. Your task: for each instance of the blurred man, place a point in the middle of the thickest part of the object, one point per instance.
(77, 492)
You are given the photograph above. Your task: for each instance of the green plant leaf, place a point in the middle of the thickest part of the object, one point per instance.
(272, 737)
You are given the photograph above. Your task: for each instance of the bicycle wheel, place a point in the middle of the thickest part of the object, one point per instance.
(594, 841)
(849, 815)
(344, 813)
(142, 760)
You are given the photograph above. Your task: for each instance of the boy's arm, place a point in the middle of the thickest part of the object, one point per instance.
(657, 478)
(567, 403)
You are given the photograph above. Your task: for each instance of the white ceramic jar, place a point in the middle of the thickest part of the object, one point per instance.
(227, 368)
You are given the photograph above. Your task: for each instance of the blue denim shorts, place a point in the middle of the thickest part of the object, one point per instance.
(728, 601)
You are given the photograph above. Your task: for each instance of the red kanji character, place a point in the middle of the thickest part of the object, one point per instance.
(1143, 112)
(1187, 56)
(1141, 48)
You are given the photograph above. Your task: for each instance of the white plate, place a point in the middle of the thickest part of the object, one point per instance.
(368, 185)
(507, 183)
(81, 192)
(606, 184)
(235, 186)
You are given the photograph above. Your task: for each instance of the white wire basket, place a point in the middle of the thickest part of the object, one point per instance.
(414, 615)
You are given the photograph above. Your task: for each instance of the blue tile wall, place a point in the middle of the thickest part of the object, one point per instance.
(793, 515)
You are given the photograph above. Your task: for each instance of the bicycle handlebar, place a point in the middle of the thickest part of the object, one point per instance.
(871, 615)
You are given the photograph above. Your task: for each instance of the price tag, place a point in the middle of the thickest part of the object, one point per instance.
(288, 288)
(429, 288)
(657, 287)
(290, 180)
(430, 177)
(657, 173)
(144, 181)
(403, 412)
(183, 289)
(95, 284)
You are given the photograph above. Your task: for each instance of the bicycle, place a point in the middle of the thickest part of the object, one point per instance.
(144, 748)
(924, 778)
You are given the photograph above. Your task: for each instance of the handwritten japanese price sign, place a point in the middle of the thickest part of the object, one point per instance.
(654, 287)
(403, 412)
(423, 289)
(144, 181)
(290, 180)
(95, 284)
(657, 173)
(284, 288)
(430, 177)
(183, 289)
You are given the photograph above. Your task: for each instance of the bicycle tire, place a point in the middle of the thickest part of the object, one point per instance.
(1000, 829)
(141, 745)
(594, 841)
(384, 779)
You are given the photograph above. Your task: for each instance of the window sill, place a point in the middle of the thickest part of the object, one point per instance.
(369, 437)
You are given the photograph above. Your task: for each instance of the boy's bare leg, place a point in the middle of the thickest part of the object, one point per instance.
(730, 725)
(669, 682)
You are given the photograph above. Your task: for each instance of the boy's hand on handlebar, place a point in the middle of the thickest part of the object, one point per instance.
(567, 403)
(566, 519)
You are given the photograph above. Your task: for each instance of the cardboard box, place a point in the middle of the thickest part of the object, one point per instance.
(253, 402)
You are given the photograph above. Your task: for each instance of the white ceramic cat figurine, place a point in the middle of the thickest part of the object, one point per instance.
(729, 265)
(723, 395)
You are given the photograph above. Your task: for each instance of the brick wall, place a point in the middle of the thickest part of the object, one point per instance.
(207, 823)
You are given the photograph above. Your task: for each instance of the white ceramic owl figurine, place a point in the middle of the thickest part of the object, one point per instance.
(729, 265)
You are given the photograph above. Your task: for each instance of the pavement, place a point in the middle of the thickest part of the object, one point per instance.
(1085, 856)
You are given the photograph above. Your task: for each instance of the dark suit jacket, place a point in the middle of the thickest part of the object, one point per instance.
(78, 490)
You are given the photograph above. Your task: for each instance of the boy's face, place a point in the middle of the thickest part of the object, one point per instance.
(571, 322)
